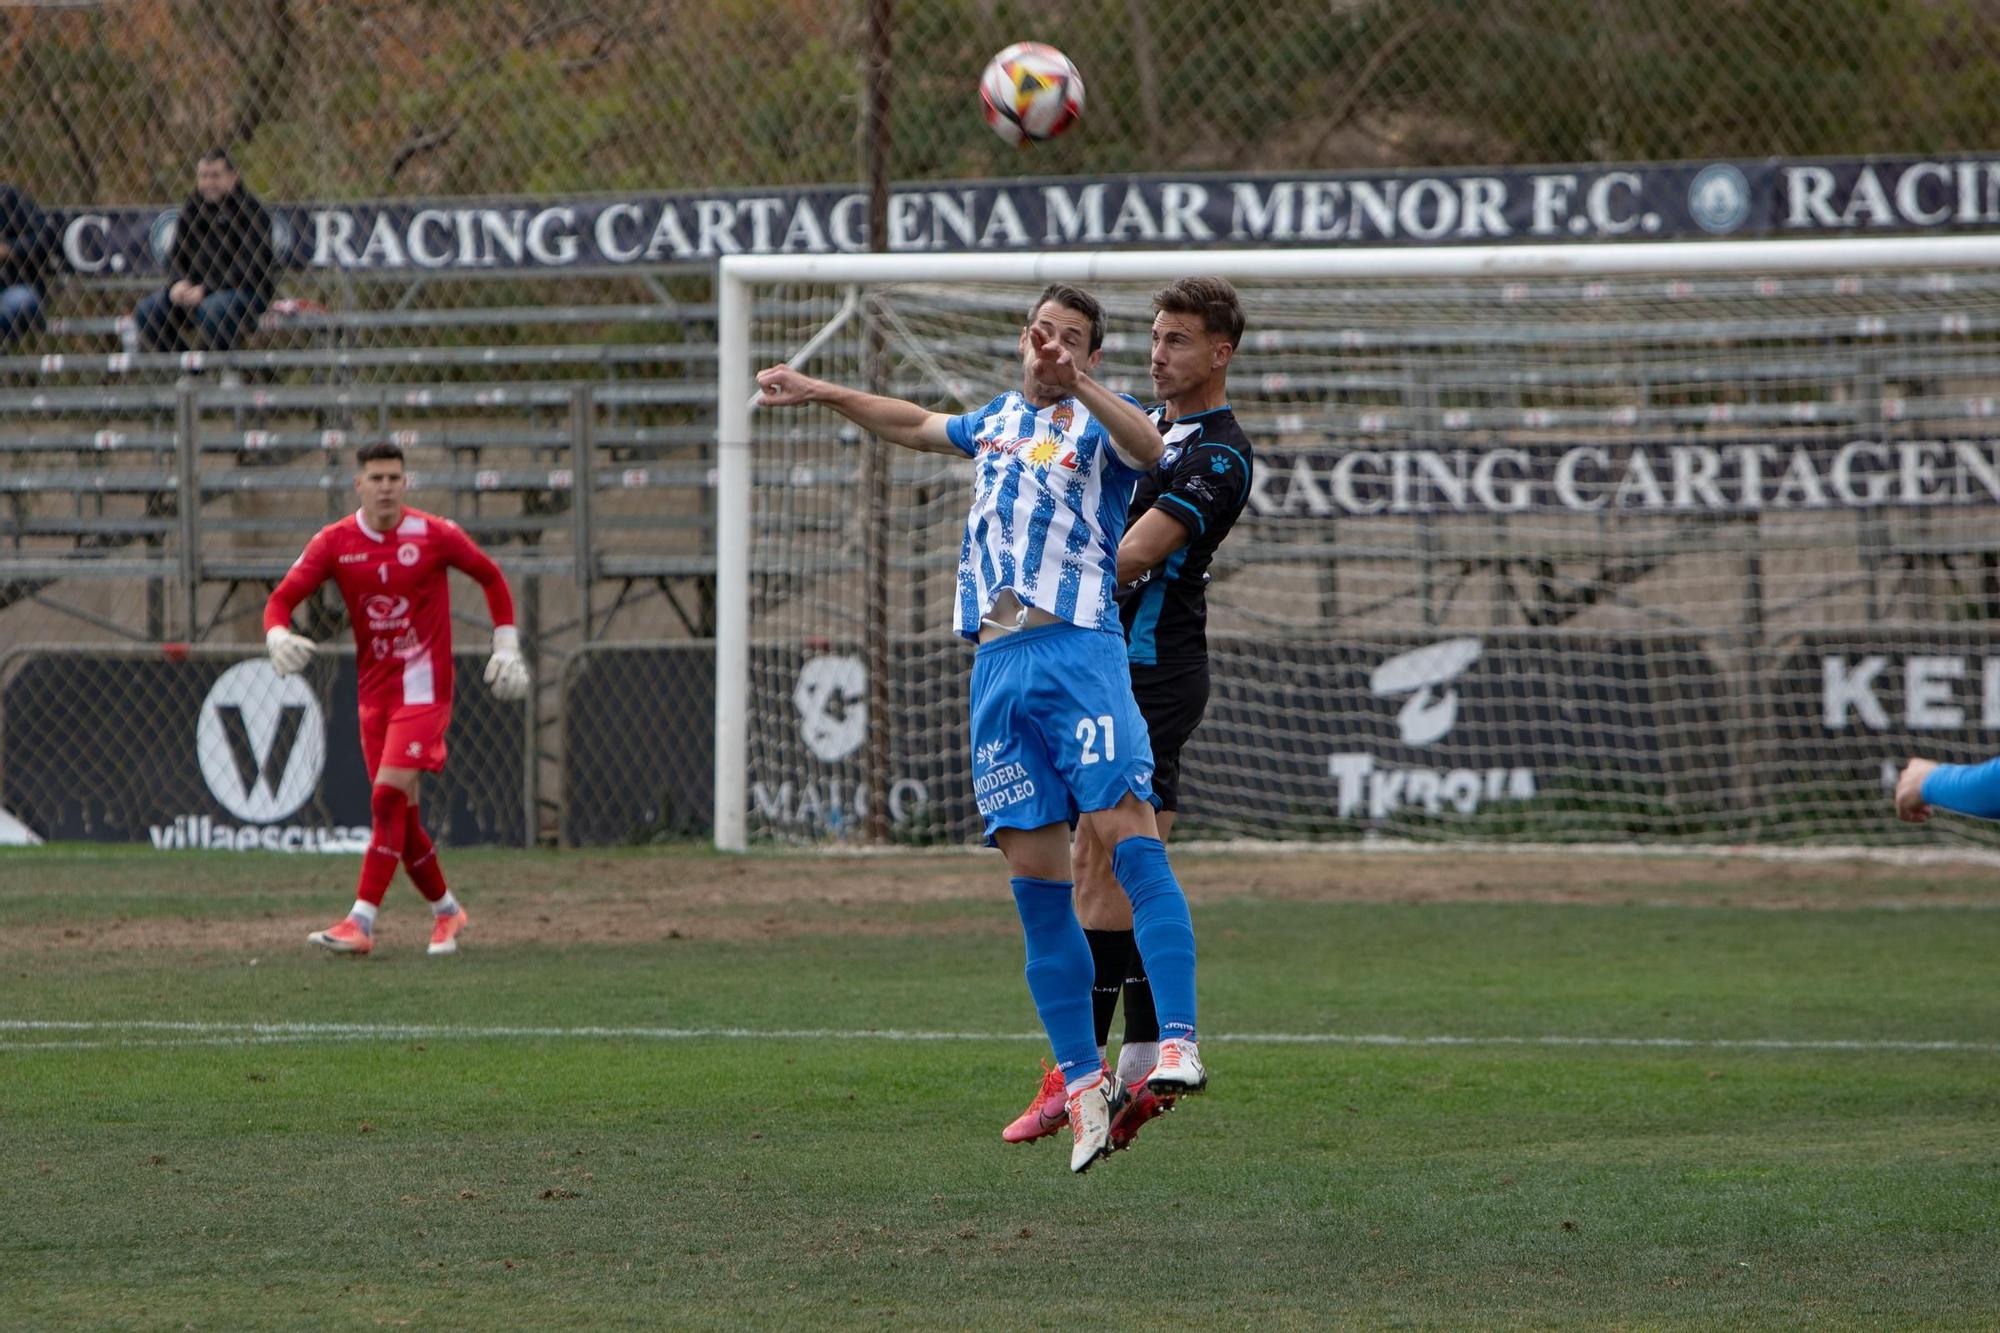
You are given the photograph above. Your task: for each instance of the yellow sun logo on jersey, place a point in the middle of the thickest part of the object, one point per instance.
(1043, 452)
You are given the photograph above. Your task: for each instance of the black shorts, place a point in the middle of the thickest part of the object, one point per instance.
(1172, 700)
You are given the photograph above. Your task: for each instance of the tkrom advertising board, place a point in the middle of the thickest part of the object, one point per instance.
(1355, 733)
(211, 753)
(1299, 736)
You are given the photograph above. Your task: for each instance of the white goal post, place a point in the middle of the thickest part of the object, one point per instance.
(1539, 450)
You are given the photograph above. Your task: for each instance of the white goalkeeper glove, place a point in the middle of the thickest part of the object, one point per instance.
(506, 673)
(289, 652)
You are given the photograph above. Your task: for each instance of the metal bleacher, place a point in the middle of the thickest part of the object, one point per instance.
(576, 437)
(501, 418)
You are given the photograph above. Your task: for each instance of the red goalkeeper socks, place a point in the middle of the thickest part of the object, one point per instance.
(420, 859)
(385, 842)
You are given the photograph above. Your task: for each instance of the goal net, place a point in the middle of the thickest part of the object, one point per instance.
(1648, 544)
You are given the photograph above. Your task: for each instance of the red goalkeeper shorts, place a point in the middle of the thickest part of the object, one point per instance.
(406, 737)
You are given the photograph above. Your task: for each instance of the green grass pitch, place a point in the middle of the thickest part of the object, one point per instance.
(675, 1089)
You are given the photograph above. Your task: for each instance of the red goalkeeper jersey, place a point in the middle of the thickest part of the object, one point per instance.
(394, 584)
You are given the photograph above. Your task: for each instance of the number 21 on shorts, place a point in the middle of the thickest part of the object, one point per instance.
(1087, 731)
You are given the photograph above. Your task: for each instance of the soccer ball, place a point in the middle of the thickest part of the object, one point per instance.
(1031, 92)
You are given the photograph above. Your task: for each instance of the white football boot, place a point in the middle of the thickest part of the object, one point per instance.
(1090, 1122)
(1179, 1070)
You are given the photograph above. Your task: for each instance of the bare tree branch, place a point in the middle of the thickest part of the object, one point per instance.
(85, 160)
(267, 76)
(1149, 78)
(220, 33)
(420, 143)
(1359, 88)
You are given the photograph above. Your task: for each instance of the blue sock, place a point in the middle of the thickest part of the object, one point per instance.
(1163, 928)
(1059, 972)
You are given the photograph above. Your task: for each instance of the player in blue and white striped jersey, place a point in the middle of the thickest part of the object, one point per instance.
(1181, 513)
(1056, 733)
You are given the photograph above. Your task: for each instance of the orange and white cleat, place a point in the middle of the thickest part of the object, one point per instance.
(1047, 1112)
(1090, 1121)
(345, 936)
(1179, 1070)
(444, 932)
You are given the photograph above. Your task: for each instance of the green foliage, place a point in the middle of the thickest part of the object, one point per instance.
(344, 100)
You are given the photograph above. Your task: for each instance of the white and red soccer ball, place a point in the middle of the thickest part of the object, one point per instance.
(1031, 92)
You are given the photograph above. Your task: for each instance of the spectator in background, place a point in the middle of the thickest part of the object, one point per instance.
(220, 268)
(26, 243)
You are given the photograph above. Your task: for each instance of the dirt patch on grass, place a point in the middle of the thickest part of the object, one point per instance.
(586, 898)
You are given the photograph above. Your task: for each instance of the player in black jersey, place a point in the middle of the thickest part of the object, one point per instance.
(1181, 511)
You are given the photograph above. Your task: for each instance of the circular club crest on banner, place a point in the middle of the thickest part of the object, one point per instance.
(261, 740)
(1719, 198)
(160, 236)
(823, 681)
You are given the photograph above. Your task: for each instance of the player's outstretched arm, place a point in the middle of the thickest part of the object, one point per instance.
(1133, 436)
(893, 419)
(506, 671)
(1966, 789)
(1910, 804)
(290, 652)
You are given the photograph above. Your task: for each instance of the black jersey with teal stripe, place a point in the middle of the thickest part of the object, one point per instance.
(1203, 482)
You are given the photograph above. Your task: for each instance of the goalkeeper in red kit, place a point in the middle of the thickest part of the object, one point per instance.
(390, 562)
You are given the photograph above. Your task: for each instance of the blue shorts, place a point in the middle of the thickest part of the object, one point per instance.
(1055, 730)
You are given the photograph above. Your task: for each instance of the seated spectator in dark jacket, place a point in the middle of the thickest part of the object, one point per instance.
(27, 242)
(221, 265)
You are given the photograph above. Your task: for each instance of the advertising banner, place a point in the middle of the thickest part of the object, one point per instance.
(205, 752)
(1644, 201)
(1298, 738)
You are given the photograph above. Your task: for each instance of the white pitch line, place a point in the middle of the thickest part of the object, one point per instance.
(98, 1035)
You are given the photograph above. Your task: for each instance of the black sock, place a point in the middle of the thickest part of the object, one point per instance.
(1115, 955)
(1142, 1022)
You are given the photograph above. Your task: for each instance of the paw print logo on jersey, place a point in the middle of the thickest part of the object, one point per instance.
(1422, 673)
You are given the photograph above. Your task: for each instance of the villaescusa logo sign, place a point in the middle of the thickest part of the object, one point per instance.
(190, 751)
(261, 741)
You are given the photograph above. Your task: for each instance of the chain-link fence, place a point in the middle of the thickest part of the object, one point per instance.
(208, 748)
(390, 245)
(358, 99)
(550, 109)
